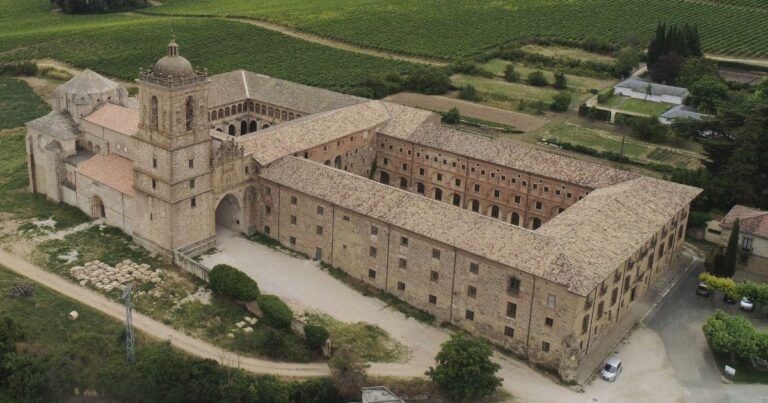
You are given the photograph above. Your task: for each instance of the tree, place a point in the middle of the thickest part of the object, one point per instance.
(707, 93)
(347, 372)
(537, 79)
(561, 82)
(561, 102)
(465, 369)
(696, 68)
(732, 335)
(451, 117)
(428, 80)
(316, 336)
(469, 93)
(276, 313)
(627, 61)
(510, 74)
(731, 252)
(667, 68)
(649, 129)
(229, 281)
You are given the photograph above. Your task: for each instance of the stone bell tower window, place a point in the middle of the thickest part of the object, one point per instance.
(153, 122)
(190, 113)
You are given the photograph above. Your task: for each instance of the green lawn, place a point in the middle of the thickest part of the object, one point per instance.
(637, 105)
(18, 103)
(569, 53)
(452, 29)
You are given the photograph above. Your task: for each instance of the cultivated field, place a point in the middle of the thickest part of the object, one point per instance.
(440, 28)
(18, 104)
(637, 105)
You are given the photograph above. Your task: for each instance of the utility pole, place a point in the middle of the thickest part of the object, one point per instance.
(129, 345)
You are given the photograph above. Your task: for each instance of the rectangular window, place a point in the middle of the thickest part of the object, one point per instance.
(517, 199)
(585, 324)
(292, 241)
(436, 254)
(539, 205)
(154, 163)
(267, 210)
(269, 190)
(511, 310)
(549, 322)
(600, 309)
(386, 161)
(439, 177)
(614, 296)
(345, 218)
(374, 230)
(405, 167)
(402, 263)
(294, 200)
(471, 291)
(319, 230)
(293, 219)
(320, 210)
(191, 163)
(545, 347)
(401, 286)
(193, 202)
(497, 193)
(432, 299)
(474, 268)
(266, 229)
(403, 241)
(154, 184)
(477, 188)
(372, 274)
(191, 183)
(470, 315)
(551, 301)
(513, 286)
(458, 182)
(372, 251)
(509, 332)
(434, 276)
(421, 171)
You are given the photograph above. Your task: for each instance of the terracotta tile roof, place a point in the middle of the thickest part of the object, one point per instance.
(117, 118)
(239, 85)
(751, 221)
(111, 170)
(577, 249)
(521, 158)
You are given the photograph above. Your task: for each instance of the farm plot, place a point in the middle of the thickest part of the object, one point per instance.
(438, 28)
(18, 103)
(506, 95)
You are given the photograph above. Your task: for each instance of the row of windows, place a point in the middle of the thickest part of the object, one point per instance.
(253, 107)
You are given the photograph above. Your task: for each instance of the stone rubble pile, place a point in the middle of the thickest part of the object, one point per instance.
(107, 278)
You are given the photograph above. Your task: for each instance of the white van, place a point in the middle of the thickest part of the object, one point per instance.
(611, 369)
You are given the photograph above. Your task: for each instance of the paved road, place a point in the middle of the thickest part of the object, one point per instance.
(678, 321)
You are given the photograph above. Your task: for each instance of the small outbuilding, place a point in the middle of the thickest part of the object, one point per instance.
(638, 88)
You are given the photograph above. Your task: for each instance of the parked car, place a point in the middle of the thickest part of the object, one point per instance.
(703, 290)
(611, 369)
(729, 299)
(746, 304)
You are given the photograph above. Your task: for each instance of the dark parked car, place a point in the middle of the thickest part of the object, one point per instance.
(728, 299)
(703, 290)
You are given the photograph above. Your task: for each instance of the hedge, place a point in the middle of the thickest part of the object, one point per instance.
(594, 113)
(227, 280)
(316, 336)
(275, 312)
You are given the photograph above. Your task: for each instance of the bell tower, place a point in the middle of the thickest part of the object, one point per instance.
(173, 199)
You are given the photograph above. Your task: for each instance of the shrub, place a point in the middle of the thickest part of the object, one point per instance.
(465, 369)
(561, 102)
(469, 93)
(451, 117)
(18, 69)
(316, 336)
(229, 281)
(604, 95)
(428, 80)
(561, 82)
(347, 372)
(510, 74)
(276, 313)
(537, 79)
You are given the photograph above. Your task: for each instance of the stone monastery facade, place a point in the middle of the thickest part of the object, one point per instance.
(536, 252)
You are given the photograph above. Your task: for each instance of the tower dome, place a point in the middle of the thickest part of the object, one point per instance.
(172, 64)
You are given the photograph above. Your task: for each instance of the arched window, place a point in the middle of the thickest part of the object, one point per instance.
(253, 127)
(495, 211)
(277, 113)
(290, 116)
(209, 116)
(475, 206)
(243, 127)
(221, 113)
(190, 112)
(284, 116)
(153, 121)
(271, 112)
(239, 108)
(251, 106)
(536, 223)
(263, 109)
(515, 219)
(456, 200)
(226, 111)
(438, 194)
(232, 130)
(337, 162)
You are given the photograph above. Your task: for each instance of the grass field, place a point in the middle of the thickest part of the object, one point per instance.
(568, 53)
(637, 105)
(458, 28)
(506, 95)
(119, 44)
(607, 141)
(18, 103)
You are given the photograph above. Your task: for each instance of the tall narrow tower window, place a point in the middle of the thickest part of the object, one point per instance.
(153, 123)
(190, 113)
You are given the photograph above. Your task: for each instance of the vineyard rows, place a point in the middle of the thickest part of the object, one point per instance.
(448, 29)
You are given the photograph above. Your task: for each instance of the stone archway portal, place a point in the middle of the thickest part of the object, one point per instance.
(229, 213)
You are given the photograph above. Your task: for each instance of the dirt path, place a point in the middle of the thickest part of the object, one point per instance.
(517, 120)
(756, 62)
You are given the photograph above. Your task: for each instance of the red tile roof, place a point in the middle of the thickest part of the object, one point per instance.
(111, 170)
(751, 221)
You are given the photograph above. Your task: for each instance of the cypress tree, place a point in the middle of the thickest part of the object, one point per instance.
(732, 252)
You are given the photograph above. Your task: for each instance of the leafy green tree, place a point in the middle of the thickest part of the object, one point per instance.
(451, 117)
(731, 334)
(561, 102)
(469, 92)
(510, 74)
(276, 313)
(627, 61)
(465, 369)
(732, 251)
(316, 336)
(649, 129)
(428, 80)
(667, 68)
(347, 372)
(537, 79)
(696, 68)
(229, 281)
(707, 93)
(561, 82)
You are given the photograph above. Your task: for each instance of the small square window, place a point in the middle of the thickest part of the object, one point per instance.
(294, 200)
(517, 199)
(439, 177)
(405, 167)
(432, 299)
(345, 218)
(421, 171)
(549, 322)
(568, 195)
(458, 182)
(403, 241)
(511, 310)
(470, 315)
(319, 230)
(320, 210)
(509, 332)
(477, 187)
(191, 183)
(539, 205)
(400, 286)
(386, 161)
(436, 254)
(497, 193)
(402, 263)
(434, 276)
(545, 347)
(535, 186)
(474, 268)
(191, 163)
(374, 230)
(293, 219)
(292, 241)
(471, 291)
(372, 251)
(372, 274)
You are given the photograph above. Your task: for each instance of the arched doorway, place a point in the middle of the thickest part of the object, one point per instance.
(243, 128)
(515, 219)
(232, 129)
(438, 194)
(253, 127)
(495, 211)
(337, 162)
(536, 223)
(475, 206)
(228, 213)
(456, 200)
(97, 208)
(384, 177)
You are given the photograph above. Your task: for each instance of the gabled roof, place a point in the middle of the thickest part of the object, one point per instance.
(239, 85)
(111, 170)
(57, 124)
(641, 86)
(117, 118)
(88, 82)
(683, 112)
(751, 221)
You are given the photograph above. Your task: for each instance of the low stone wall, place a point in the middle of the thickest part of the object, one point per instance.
(189, 265)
